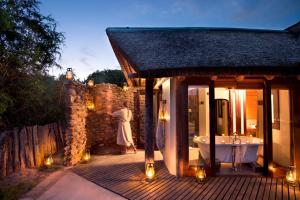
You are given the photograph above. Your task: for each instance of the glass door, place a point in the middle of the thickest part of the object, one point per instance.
(198, 126)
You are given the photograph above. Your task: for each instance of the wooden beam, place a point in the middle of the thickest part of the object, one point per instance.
(212, 125)
(159, 82)
(137, 118)
(240, 78)
(182, 143)
(268, 150)
(149, 129)
(269, 77)
(296, 127)
(214, 78)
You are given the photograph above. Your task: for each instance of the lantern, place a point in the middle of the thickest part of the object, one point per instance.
(86, 156)
(90, 105)
(291, 176)
(200, 174)
(125, 87)
(150, 171)
(69, 74)
(48, 161)
(90, 83)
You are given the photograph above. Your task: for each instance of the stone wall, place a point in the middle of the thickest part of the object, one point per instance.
(101, 126)
(76, 113)
(95, 128)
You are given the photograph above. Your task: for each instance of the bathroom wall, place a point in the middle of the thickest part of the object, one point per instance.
(282, 137)
(170, 132)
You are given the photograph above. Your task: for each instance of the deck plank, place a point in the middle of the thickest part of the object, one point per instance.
(244, 188)
(267, 189)
(279, 191)
(255, 189)
(220, 188)
(238, 188)
(128, 180)
(273, 189)
(224, 191)
(262, 188)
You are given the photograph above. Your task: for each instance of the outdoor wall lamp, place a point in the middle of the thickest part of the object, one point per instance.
(69, 74)
(48, 161)
(150, 171)
(90, 83)
(90, 105)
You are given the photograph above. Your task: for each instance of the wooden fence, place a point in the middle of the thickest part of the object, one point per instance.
(26, 147)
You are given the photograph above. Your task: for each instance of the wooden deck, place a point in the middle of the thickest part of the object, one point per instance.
(124, 175)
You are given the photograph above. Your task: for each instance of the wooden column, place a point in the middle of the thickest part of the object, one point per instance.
(137, 118)
(212, 126)
(149, 130)
(296, 127)
(268, 151)
(182, 142)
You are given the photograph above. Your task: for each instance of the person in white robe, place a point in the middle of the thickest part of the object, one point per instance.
(124, 135)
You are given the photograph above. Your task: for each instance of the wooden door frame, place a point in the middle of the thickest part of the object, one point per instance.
(212, 84)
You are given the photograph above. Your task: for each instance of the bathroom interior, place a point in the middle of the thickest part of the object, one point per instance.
(239, 136)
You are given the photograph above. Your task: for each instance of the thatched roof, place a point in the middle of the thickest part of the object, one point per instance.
(156, 51)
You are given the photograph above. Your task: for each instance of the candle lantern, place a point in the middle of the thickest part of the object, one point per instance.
(90, 83)
(200, 174)
(290, 177)
(69, 74)
(125, 87)
(48, 161)
(86, 156)
(150, 171)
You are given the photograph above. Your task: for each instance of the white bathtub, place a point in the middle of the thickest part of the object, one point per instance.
(246, 152)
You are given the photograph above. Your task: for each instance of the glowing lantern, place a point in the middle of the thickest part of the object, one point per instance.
(150, 171)
(48, 161)
(69, 74)
(90, 83)
(90, 105)
(86, 156)
(200, 174)
(125, 87)
(291, 176)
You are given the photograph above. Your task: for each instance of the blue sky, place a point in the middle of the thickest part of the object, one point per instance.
(83, 22)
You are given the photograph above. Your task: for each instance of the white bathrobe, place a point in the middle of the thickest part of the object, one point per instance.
(124, 136)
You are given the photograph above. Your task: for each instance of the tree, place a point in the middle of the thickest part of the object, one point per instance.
(108, 76)
(29, 46)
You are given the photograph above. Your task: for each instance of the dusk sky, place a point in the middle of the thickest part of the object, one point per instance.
(83, 22)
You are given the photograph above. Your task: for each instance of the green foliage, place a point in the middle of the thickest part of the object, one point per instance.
(29, 47)
(108, 76)
(15, 191)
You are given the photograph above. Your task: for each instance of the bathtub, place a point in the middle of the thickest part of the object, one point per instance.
(245, 152)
